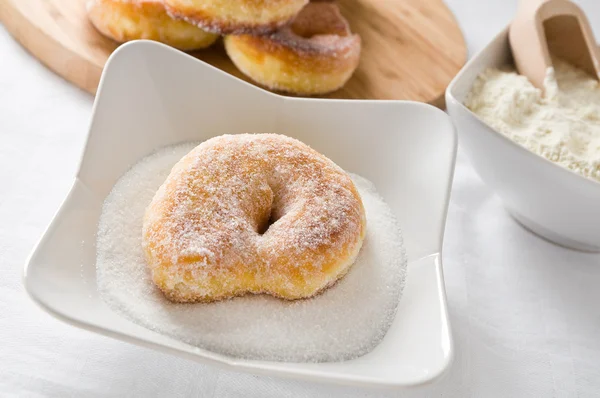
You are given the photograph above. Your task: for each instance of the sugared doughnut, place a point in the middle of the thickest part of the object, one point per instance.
(252, 213)
(125, 20)
(316, 54)
(236, 16)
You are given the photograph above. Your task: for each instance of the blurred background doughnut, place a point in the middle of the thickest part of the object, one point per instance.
(239, 16)
(125, 20)
(316, 54)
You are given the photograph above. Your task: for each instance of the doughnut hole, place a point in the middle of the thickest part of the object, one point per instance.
(281, 200)
(265, 209)
(266, 222)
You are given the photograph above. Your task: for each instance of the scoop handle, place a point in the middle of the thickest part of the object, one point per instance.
(528, 42)
(560, 26)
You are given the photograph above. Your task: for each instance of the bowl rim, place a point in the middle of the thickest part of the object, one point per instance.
(459, 80)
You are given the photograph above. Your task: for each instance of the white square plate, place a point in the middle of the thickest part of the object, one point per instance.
(151, 96)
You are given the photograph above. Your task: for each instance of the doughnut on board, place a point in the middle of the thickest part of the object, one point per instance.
(411, 49)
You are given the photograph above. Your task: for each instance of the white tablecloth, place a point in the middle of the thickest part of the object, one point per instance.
(525, 314)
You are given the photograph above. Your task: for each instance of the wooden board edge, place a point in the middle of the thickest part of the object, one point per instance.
(13, 20)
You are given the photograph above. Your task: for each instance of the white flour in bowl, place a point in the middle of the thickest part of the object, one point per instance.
(562, 124)
(345, 321)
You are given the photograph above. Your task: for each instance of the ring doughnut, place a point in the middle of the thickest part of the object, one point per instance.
(236, 16)
(125, 20)
(252, 213)
(315, 54)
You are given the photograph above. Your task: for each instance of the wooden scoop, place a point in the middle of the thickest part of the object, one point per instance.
(558, 27)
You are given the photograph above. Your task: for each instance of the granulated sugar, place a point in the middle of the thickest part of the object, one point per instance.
(346, 321)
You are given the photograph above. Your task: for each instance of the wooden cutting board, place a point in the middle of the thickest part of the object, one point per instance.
(411, 48)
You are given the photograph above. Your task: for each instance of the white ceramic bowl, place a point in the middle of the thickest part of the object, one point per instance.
(151, 96)
(552, 201)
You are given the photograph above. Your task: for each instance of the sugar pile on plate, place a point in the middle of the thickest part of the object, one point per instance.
(346, 321)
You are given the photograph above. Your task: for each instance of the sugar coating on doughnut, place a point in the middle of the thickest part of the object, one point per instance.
(344, 322)
(252, 213)
(125, 20)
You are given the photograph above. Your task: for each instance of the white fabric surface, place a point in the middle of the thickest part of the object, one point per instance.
(524, 313)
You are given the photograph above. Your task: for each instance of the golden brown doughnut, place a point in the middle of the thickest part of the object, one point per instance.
(125, 20)
(252, 213)
(236, 16)
(316, 54)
